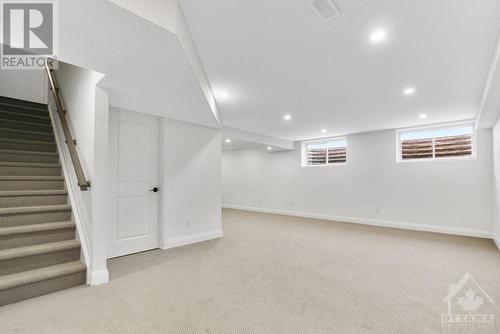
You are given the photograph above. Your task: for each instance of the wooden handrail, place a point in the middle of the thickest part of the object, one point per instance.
(83, 183)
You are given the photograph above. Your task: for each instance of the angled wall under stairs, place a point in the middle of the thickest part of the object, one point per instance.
(39, 253)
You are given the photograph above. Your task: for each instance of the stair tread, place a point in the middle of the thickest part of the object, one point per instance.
(51, 247)
(22, 103)
(18, 193)
(24, 229)
(34, 209)
(40, 275)
(26, 123)
(31, 178)
(15, 100)
(20, 113)
(23, 152)
(27, 131)
(24, 108)
(29, 164)
(27, 141)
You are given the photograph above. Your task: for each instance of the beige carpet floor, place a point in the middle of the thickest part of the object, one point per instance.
(274, 274)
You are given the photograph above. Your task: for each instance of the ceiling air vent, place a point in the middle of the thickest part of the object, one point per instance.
(326, 9)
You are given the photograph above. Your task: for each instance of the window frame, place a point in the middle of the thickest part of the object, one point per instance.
(305, 157)
(399, 132)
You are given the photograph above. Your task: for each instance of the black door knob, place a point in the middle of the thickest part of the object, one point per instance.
(155, 189)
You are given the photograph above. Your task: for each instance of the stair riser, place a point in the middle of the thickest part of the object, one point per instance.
(26, 136)
(31, 185)
(41, 288)
(7, 145)
(17, 201)
(25, 111)
(23, 118)
(34, 218)
(23, 126)
(17, 265)
(29, 171)
(36, 238)
(13, 157)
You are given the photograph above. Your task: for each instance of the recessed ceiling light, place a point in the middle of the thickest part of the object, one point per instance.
(378, 36)
(323, 131)
(221, 94)
(287, 117)
(269, 148)
(228, 140)
(422, 116)
(409, 91)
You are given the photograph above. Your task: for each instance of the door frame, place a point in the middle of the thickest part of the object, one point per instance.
(113, 168)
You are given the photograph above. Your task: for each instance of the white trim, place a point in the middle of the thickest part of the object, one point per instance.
(372, 222)
(441, 126)
(305, 158)
(327, 165)
(192, 239)
(98, 277)
(162, 123)
(75, 196)
(496, 239)
(488, 81)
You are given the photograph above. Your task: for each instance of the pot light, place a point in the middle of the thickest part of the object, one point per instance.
(323, 131)
(287, 117)
(221, 94)
(269, 148)
(228, 141)
(378, 36)
(422, 116)
(409, 91)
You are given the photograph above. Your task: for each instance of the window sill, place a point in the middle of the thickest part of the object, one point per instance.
(437, 159)
(325, 165)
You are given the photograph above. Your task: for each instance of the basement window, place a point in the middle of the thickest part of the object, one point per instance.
(436, 143)
(325, 152)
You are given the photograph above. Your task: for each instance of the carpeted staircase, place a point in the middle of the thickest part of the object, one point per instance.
(38, 250)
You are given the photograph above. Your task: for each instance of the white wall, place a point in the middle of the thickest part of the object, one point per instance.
(160, 12)
(496, 176)
(78, 91)
(30, 85)
(126, 48)
(448, 196)
(191, 183)
(169, 15)
(87, 112)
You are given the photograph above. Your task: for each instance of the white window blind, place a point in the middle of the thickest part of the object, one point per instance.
(331, 151)
(437, 143)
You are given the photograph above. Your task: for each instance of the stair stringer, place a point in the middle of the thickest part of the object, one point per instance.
(80, 206)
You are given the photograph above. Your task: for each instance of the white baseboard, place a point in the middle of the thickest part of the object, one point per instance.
(99, 277)
(192, 239)
(372, 222)
(496, 239)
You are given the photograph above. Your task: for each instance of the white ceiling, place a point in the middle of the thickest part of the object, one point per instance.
(238, 144)
(276, 57)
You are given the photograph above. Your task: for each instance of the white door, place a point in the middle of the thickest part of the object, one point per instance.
(134, 149)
